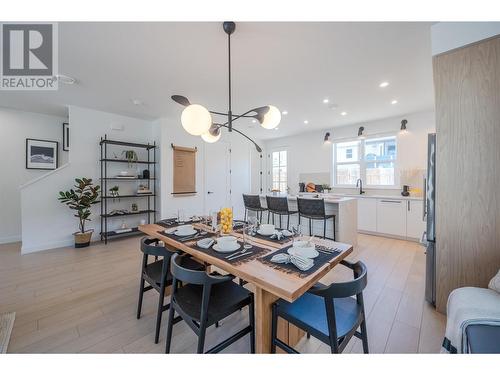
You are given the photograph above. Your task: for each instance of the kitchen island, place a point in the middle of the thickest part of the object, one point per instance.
(345, 210)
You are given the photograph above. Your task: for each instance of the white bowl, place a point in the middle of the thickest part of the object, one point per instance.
(304, 251)
(266, 229)
(185, 230)
(227, 242)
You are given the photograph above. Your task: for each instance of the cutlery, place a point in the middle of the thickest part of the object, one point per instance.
(237, 252)
(240, 255)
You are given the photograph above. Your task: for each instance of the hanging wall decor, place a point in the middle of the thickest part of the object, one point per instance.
(184, 170)
(65, 142)
(41, 154)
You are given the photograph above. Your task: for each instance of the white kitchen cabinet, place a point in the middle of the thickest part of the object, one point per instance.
(391, 217)
(367, 214)
(415, 225)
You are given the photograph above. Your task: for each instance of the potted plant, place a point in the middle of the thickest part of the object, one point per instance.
(326, 187)
(80, 199)
(131, 157)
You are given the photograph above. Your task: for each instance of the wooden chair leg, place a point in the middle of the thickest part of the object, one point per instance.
(274, 329)
(141, 293)
(245, 217)
(280, 221)
(310, 227)
(364, 336)
(324, 228)
(170, 327)
(159, 313)
(308, 335)
(334, 230)
(268, 215)
(288, 222)
(201, 339)
(251, 318)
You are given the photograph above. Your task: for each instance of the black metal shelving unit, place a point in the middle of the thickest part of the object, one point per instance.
(150, 212)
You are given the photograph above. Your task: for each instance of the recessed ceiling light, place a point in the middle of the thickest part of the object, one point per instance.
(284, 113)
(306, 122)
(384, 84)
(67, 80)
(254, 121)
(343, 113)
(394, 101)
(137, 102)
(325, 100)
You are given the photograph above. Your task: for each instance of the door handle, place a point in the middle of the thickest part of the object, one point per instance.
(210, 192)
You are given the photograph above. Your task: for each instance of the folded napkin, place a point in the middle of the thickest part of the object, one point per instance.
(298, 261)
(277, 235)
(205, 243)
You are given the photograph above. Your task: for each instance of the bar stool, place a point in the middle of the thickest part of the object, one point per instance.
(252, 203)
(279, 206)
(314, 209)
(157, 275)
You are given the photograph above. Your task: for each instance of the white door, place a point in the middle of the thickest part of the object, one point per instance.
(391, 217)
(217, 183)
(367, 214)
(415, 224)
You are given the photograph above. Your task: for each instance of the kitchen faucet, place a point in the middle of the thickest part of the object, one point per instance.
(359, 184)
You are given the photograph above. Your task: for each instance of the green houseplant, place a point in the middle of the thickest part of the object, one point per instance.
(80, 199)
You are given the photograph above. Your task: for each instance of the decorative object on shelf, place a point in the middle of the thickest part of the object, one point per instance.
(142, 222)
(80, 199)
(197, 120)
(114, 192)
(184, 172)
(302, 187)
(65, 136)
(118, 212)
(134, 207)
(131, 157)
(326, 188)
(124, 225)
(145, 174)
(226, 220)
(41, 154)
(327, 139)
(310, 187)
(143, 190)
(406, 191)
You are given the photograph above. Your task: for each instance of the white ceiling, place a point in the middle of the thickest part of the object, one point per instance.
(291, 65)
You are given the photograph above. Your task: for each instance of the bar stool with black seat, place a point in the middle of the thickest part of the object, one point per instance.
(314, 209)
(329, 313)
(279, 206)
(203, 299)
(252, 203)
(157, 275)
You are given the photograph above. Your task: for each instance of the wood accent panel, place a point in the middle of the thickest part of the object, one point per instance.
(467, 89)
(184, 170)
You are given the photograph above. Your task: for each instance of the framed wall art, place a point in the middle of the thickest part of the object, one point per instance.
(41, 154)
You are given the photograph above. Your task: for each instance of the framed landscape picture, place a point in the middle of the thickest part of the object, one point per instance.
(65, 145)
(41, 154)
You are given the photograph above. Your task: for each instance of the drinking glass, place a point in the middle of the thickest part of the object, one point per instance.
(297, 231)
(247, 232)
(181, 216)
(253, 221)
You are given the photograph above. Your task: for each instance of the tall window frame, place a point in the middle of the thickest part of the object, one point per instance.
(278, 164)
(344, 167)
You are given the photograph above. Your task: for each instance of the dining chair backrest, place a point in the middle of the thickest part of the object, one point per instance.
(251, 201)
(149, 247)
(190, 276)
(347, 288)
(311, 207)
(277, 204)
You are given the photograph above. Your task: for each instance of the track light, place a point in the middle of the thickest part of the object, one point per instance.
(327, 138)
(360, 132)
(403, 125)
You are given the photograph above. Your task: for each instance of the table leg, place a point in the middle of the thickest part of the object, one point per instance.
(263, 314)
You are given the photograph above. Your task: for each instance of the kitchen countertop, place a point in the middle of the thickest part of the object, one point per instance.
(328, 196)
(333, 198)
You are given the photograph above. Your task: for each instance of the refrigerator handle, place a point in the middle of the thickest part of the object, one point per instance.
(424, 211)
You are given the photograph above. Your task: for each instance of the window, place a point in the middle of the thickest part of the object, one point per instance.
(373, 160)
(279, 169)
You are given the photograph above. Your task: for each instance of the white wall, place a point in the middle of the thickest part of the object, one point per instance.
(446, 36)
(245, 164)
(308, 154)
(46, 223)
(15, 127)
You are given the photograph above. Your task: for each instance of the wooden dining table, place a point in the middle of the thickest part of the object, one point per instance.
(269, 283)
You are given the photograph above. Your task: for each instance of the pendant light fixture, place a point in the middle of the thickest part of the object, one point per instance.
(197, 120)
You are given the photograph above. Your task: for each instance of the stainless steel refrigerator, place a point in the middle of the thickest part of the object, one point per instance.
(429, 237)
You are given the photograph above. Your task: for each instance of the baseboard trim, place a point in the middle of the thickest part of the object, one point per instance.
(10, 239)
(378, 234)
(46, 246)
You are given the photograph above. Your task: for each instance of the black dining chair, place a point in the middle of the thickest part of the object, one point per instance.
(279, 206)
(157, 275)
(252, 203)
(329, 313)
(314, 209)
(202, 300)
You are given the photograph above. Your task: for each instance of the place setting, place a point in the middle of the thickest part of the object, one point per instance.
(185, 233)
(302, 258)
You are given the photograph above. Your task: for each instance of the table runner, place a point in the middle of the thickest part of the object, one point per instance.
(290, 268)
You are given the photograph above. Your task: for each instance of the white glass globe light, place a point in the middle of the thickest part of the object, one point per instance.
(212, 135)
(196, 119)
(272, 118)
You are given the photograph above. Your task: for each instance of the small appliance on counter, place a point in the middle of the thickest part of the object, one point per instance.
(406, 191)
(302, 187)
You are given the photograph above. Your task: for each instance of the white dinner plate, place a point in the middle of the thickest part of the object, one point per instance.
(264, 234)
(184, 233)
(226, 250)
(306, 252)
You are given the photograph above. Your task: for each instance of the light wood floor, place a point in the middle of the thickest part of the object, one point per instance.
(84, 300)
